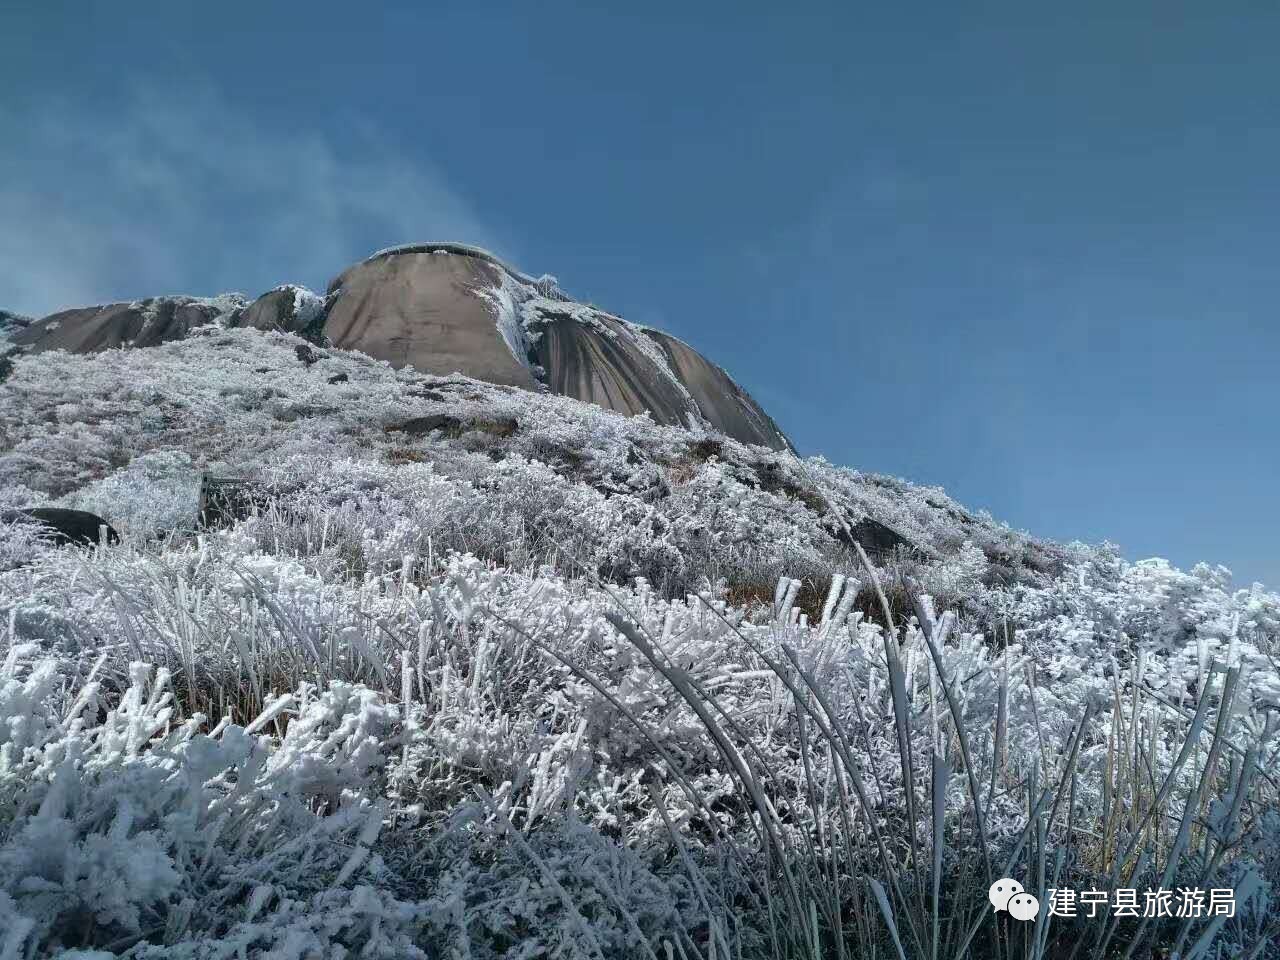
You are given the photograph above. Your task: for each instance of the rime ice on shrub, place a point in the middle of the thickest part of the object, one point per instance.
(390, 710)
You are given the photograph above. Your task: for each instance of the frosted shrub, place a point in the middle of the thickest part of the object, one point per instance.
(135, 829)
(365, 514)
(958, 578)
(593, 771)
(17, 496)
(20, 544)
(156, 493)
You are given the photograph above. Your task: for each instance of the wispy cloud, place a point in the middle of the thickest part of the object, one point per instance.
(180, 192)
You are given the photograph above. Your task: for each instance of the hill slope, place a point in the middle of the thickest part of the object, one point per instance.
(469, 669)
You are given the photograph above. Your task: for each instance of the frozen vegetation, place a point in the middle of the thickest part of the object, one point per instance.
(462, 671)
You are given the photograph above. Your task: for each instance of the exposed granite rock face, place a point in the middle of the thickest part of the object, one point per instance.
(446, 308)
(142, 323)
(289, 308)
(722, 402)
(63, 527)
(425, 309)
(601, 361)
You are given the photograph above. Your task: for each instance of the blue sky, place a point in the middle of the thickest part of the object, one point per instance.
(1029, 255)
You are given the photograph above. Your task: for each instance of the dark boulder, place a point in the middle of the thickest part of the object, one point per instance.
(421, 426)
(455, 427)
(880, 542)
(306, 356)
(226, 500)
(63, 527)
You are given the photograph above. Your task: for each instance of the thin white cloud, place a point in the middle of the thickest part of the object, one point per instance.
(179, 192)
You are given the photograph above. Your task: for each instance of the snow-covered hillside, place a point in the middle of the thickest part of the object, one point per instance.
(463, 670)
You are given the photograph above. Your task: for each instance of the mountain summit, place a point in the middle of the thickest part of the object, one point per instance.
(473, 652)
(447, 308)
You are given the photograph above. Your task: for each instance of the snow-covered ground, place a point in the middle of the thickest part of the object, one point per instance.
(475, 672)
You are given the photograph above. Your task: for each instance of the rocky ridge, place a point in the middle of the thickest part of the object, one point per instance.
(450, 308)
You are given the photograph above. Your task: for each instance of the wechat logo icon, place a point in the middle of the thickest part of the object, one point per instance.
(1008, 895)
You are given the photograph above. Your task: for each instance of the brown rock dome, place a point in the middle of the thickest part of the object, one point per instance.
(429, 309)
(449, 308)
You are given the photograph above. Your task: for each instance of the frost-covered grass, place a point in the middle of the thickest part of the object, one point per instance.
(543, 763)
(562, 691)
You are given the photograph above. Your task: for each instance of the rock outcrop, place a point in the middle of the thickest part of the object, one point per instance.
(879, 541)
(447, 308)
(430, 310)
(289, 308)
(141, 323)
